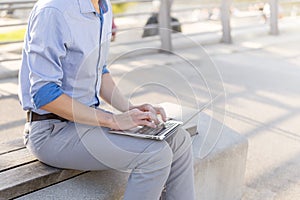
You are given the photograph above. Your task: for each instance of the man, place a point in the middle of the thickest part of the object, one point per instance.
(62, 79)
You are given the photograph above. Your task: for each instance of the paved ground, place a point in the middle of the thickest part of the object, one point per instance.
(261, 77)
(262, 87)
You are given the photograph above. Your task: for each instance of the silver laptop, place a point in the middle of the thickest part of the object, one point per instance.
(161, 132)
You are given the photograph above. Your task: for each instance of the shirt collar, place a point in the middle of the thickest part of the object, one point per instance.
(103, 6)
(86, 6)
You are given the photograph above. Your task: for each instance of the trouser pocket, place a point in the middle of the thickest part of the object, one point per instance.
(26, 133)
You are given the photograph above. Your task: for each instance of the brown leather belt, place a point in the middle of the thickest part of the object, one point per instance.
(31, 117)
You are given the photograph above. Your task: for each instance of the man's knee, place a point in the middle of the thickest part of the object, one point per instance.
(156, 157)
(180, 143)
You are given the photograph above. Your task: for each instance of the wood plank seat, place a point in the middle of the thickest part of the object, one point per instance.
(21, 172)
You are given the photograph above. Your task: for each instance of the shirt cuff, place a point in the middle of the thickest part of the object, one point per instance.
(105, 70)
(47, 94)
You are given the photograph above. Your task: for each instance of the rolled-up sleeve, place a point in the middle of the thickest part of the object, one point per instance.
(46, 44)
(105, 70)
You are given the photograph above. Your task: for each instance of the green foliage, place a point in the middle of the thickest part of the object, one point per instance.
(16, 35)
(120, 7)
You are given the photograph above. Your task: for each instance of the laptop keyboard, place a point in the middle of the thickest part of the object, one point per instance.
(154, 131)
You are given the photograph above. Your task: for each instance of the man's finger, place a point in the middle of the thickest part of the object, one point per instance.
(147, 123)
(161, 111)
(151, 117)
(148, 107)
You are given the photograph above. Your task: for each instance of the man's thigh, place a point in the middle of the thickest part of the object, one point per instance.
(125, 152)
(84, 147)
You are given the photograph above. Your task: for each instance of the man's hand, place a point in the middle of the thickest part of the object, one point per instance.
(155, 110)
(142, 115)
(133, 118)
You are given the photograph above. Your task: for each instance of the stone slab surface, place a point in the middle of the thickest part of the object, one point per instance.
(222, 169)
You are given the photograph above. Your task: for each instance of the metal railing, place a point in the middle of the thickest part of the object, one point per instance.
(165, 22)
(10, 6)
(164, 16)
(16, 4)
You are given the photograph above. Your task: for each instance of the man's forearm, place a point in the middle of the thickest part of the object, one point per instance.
(73, 110)
(111, 94)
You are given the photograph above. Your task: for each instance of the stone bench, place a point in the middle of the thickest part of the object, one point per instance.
(218, 175)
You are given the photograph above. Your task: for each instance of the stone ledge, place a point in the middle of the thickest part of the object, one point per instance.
(219, 175)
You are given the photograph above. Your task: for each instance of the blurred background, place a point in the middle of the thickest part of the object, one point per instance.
(193, 17)
(254, 44)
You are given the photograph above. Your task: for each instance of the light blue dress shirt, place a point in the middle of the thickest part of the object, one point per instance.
(65, 51)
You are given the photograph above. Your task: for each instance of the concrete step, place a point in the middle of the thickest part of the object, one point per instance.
(219, 173)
